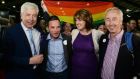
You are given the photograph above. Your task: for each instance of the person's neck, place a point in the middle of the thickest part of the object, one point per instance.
(54, 38)
(85, 32)
(113, 34)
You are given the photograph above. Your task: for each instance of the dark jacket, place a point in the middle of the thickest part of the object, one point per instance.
(17, 54)
(67, 51)
(126, 66)
(2, 38)
(67, 48)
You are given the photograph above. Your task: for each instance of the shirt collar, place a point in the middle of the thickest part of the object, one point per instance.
(50, 38)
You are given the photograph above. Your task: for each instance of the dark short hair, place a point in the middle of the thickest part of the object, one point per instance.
(85, 15)
(51, 18)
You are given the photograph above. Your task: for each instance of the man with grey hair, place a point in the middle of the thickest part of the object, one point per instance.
(116, 61)
(22, 46)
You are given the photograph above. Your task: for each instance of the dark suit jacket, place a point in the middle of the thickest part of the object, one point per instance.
(17, 55)
(126, 65)
(2, 36)
(67, 50)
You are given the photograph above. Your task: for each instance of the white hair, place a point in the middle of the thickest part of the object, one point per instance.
(115, 9)
(28, 5)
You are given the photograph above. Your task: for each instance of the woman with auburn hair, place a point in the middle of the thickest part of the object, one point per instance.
(85, 47)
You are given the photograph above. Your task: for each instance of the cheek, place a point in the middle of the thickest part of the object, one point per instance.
(25, 19)
(107, 27)
(52, 32)
(35, 18)
(119, 24)
(76, 22)
(83, 23)
(107, 23)
(58, 30)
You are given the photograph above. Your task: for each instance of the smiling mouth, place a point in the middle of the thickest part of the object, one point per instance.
(56, 33)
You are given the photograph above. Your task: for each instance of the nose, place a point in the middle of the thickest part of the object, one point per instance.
(56, 29)
(31, 17)
(77, 22)
(110, 22)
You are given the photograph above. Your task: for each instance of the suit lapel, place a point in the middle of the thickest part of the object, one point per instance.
(64, 42)
(105, 44)
(120, 52)
(25, 39)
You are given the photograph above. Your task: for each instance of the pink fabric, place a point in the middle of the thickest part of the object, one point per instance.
(111, 56)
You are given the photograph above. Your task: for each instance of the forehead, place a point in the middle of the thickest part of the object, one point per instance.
(54, 23)
(112, 13)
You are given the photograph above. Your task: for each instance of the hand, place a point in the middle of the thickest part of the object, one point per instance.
(44, 7)
(37, 59)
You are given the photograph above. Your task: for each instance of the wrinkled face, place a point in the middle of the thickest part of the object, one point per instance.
(29, 17)
(132, 24)
(113, 22)
(54, 28)
(80, 24)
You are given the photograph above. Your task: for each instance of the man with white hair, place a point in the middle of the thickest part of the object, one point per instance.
(22, 45)
(116, 61)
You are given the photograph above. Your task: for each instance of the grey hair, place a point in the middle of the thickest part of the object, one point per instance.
(116, 9)
(28, 5)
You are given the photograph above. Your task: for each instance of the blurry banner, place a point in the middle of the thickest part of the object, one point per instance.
(65, 10)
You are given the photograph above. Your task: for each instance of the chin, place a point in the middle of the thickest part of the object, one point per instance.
(29, 26)
(111, 31)
(80, 29)
(56, 36)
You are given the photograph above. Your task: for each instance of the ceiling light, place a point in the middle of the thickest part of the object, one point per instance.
(128, 16)
(3, 2)
(14, 6)
(128, 10)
